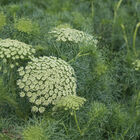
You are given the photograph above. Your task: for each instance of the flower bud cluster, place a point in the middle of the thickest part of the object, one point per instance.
(70, 102)
(26, 26)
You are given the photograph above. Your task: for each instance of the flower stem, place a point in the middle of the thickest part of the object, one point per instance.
(65, 129)
(134, 38)
(125, 37)
(92, 9)
(76, 121)
(114, 20)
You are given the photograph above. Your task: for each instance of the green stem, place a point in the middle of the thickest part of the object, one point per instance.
(76, 121)
(134, 38)
(92, 9)
(114, 20)
(84, 54)
(125, 37)
(129, 127)
(65, 129)
(14, 17)
(12, 83)
(116, 10)
(77, 56)
(136, 103)
(74, 58)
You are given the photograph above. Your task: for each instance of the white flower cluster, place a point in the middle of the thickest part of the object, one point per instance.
(136, 64)
(72, 35)
(70, 102)
(45, 80)
(11, 51)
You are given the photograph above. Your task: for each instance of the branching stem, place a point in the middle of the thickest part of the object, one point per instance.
(77, 56)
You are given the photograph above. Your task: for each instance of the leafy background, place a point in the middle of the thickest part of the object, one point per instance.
(106, 77)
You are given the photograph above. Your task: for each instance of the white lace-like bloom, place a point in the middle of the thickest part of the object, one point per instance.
(12, 51)
(72, 35)
(45, 80)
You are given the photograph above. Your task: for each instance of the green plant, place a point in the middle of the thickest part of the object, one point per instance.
(105, 75)
(120, 122)
(98, 115)
(12, 54)
(13, 9)
(5, 98)
(71, 103)
(4, 137)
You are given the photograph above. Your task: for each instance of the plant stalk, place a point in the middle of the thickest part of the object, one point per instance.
(114, 20)
(134, 38)
(92, 9)
(76, 121)
(77, 56)
(125, 37)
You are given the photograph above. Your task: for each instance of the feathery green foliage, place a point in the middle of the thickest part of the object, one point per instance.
(34, 133)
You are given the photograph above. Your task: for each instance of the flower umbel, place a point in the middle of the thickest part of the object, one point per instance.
(45, 80)
(13, 51)
(72, 35)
